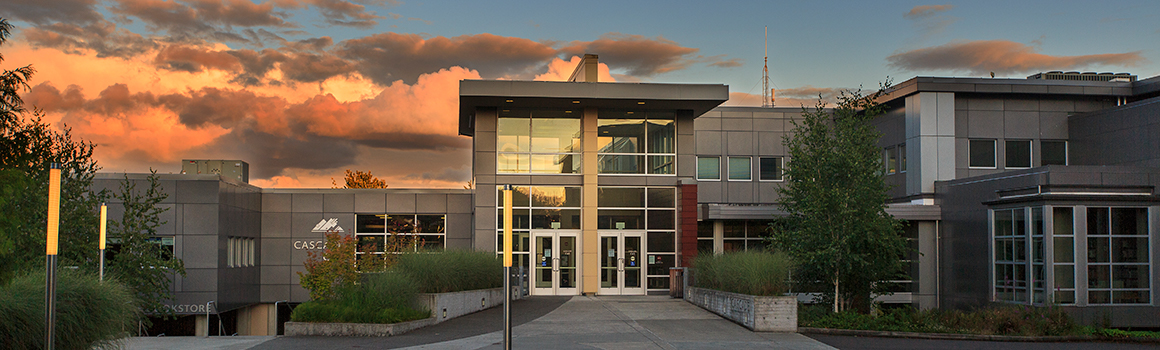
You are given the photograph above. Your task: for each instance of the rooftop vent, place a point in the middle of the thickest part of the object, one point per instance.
(1086, 76)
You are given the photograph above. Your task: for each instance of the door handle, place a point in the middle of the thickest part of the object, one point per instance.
(556, 264)
(620, 264)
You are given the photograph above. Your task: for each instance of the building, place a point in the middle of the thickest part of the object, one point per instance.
(1035, 191)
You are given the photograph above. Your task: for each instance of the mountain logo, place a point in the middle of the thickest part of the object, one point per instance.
(325, 225)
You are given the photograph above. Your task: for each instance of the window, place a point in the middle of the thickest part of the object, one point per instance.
(1010, 247)
(1063, 235)
(890, 160)
(239, 251)
(394, 233)
(1018, 154)
(982, 153)
(1117, 256)
(902, 158)
(1053, 152)
(739, 168)
(705, 237)
(708, 168)
(538, 141)
(536, 207)
(769, 168)
(636, 142)
(743, 235)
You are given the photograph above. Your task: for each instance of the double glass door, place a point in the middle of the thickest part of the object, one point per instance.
(554, 263)
(621, 263)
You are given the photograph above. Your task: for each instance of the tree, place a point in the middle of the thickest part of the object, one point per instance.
(837, 230)
(361, 179)
(140, 261)
(27, 147)
(331, 270)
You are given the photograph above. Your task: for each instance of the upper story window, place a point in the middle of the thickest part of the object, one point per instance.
(740, 168)
(636, 142)
(538, 141)
(708, 168)
(1018, 154)
(769, 168)
(1053, 152)
(894, 159)
(982, 153)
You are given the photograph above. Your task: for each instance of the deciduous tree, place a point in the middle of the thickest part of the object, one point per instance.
(361, 179)
(140, 261)
(331, 270)
(837, 230)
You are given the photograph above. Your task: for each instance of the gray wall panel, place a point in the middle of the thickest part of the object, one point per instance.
(276, 202)
(196, 192)
(276, 251)
(370, 202)
(432, 203)
(338, 202)
(400, 203)
(306, 202)
(276, 224)
(200, 219)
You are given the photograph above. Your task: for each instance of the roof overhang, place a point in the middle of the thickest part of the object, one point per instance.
(473, 94)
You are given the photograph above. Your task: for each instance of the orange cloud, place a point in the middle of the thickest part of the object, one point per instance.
(561, 70)
(922, 11)
(1002, 57)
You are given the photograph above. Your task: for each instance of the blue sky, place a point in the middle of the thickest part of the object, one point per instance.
(303, 89)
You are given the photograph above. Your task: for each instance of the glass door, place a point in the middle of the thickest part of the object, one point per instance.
(621, 271)
(554, 270)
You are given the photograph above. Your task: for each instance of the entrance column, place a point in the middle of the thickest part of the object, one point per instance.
(590, 260)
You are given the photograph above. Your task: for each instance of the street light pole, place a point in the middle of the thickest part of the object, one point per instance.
(101, 244)
(50, 255)
(507, 267)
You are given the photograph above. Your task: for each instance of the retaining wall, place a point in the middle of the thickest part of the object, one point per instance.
(758, 313)
(443, 306)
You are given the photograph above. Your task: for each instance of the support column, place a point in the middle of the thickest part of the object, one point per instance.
(589, 239)
(688, 222)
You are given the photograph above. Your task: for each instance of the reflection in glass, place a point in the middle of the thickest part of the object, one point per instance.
(400, 223)
(552, 163)
(620, 197)
(661, 197)
(619, 164)
(370, 224)
(620, 135)
(608, 259)
(662, 165)
(512, 163)
(661, 135)
(370, 243)
(556, 135)
(709, 168)
(543, 262)
(632, 262)
(513, 135)
(739, 168)
(620, 219)
(551, 196)
(567, 262)
(431, 223)
(555, 218)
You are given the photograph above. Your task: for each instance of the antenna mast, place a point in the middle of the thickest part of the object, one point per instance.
(766, 93)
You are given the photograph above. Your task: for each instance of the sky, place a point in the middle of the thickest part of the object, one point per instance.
(304, 89)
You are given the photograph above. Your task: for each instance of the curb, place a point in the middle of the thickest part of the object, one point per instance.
(949, 336)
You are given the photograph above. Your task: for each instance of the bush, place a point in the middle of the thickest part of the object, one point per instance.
(754, 273)
(452, 271)
(994, 320)
(382, 298)
(89, 313)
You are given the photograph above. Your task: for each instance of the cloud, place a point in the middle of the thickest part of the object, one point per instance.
(345, 13)
(1002, 57)
(924, 11)
(39, 12)
(729, 63)
(561, 70)
(741, 99)
(638, 55)
(388, 57)
(193, 60)
(101, 37)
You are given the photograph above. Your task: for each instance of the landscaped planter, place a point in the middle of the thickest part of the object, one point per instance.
(758, 313)
(443, 306)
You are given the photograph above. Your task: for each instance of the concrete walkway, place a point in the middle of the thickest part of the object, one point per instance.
(638, 322)
(630, 322)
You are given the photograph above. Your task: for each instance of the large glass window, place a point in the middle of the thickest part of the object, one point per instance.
(396, 233)
(1053, 152)
(1117, 256)
(1018, 154)
(636, 142)
(743, 235)
(538, 141)
(1010, 247)
(652, 209)
(770, 168)
(708, 168)
(740, 168)
(982, 153)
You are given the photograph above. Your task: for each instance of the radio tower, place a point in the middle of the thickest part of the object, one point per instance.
(766, 93)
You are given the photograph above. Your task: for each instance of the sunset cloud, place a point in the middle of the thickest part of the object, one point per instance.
(388, 57)
(1002, 57)
(639, 55)
(923, 11)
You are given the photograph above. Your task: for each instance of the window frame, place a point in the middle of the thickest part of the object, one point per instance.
(780, 169)
(699, 178)
(645, 153)
(1066, 152)
(729, 173)
(1007, 153)
(994, 154)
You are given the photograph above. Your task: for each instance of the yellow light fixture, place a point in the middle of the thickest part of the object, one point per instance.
(640, 102)
(509, 101)
(575, 101)
(53, 209)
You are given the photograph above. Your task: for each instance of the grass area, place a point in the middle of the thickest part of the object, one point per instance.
(452, 270)
(80, 299)
(755, 273)
(993, 320)
(389, 297)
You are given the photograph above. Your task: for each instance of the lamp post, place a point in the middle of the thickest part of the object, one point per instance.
(50, 254)
(507, 267)
(101, 244)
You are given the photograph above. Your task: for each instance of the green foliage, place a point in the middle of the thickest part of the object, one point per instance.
(332, 270)
(754, 273)
(1113, 333)
(27, 146)
(142, 264)
(383, 298)
(452, 271)
(89, 313)
(995, 320)
(837, 231)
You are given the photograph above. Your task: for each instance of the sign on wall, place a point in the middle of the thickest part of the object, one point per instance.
(326, 225)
